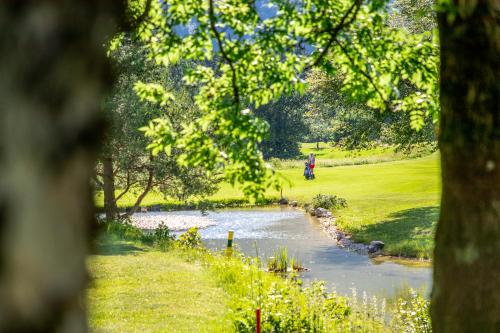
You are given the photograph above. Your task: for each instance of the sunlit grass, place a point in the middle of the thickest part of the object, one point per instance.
(139, 289)
(396, 202)
(327, 151)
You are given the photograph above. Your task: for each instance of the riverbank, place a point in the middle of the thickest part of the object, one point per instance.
(163, 287)
(396, 202)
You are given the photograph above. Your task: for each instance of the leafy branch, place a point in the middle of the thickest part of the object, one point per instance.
(364, 73)
(225, 56)
(344, 22)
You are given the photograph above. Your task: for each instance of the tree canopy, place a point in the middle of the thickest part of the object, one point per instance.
(261, 50)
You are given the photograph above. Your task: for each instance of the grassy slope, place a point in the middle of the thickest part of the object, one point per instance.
(397, 202)
(140, 289)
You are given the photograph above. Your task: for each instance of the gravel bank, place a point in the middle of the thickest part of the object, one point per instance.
(175, 222)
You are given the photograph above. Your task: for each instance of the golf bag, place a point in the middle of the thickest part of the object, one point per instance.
(308, 172)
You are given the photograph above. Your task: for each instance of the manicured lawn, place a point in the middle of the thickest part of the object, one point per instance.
(139, 289)
(396, 202)
(327, 151)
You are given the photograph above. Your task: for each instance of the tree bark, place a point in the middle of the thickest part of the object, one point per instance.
(149, 186)
(53, 74)
(108, 179)
(466, 290)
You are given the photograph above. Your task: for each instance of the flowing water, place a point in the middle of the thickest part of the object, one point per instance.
(270, 228)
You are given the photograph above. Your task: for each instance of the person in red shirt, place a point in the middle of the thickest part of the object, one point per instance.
(312, 162)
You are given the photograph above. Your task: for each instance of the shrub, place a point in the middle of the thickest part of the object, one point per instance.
(162, 234)
(329, 202)
(412, 314)
(162, 237)
(123, 229)
(190, 238)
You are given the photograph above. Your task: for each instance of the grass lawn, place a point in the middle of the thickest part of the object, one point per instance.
(139, 289)
(396, 202)
(326, 151)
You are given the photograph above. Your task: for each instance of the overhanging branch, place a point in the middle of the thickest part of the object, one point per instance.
(224, 54)
(345, 21)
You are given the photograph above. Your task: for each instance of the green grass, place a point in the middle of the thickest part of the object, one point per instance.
(396, 202)
(326, 151)
(139, 289)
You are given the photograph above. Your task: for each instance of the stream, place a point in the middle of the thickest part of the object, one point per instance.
(270, 228)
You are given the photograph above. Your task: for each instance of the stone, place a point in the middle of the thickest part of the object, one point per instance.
(321, 212)
(283, 201)
(340, 235)
(144, 210)
(294, 203)
(375, 246)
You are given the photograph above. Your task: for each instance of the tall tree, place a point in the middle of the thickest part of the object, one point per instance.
(466, 296)
(286, 126)
(53, 75)
(125, 165)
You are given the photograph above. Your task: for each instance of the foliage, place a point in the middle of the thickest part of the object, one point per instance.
(412, 314)
(123, 230)
(328, 201)
(190, 239)
(281, 263)
(416, 16)
(135, 171)
(286, 126)
(261, 51)
(162, 235)
(286, 305)
(156, 201)
(334, 117)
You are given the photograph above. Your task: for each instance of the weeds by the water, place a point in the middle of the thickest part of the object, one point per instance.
(287, 306)
(281, 263)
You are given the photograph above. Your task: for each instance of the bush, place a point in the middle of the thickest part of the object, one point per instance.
(329, 202)
(190, 238)
(123, 229)
(412, 314)
(162, 238)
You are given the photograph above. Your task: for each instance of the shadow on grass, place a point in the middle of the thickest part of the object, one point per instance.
(408, 232)
(108, 248)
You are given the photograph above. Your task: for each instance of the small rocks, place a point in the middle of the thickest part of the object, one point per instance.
(294, 203)
(327, 222)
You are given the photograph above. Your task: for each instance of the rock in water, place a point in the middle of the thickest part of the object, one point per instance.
(283, 201)
(294, 203)
(375, 246)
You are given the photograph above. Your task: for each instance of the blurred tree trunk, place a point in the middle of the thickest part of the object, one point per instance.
(52, 76)
(108, 181)
(466, 291)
